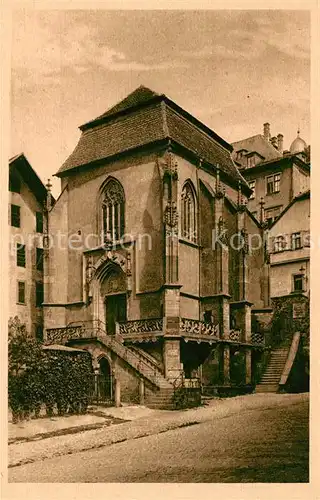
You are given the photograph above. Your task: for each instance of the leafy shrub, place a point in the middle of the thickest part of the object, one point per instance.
(60, 380)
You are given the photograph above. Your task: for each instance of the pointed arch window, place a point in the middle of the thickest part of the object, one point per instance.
(113, 206)
(188, 213)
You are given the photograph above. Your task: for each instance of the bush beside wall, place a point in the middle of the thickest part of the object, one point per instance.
(59, 380)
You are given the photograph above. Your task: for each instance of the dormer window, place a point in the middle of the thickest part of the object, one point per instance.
(240, 154)
(251, 161)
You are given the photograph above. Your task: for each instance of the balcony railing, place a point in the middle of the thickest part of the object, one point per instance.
(235, 335)
(94, 328)
(75, 330)
(257, 338)
(197, 327)
(140, 326)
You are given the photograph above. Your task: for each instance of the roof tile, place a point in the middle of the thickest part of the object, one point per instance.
(144, 125)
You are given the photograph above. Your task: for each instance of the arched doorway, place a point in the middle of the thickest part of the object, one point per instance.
(104, 382)
(113, 291)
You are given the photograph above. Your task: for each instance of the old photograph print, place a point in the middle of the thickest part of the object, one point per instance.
(159, 246)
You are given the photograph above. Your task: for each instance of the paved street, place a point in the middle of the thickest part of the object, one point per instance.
(268, 444)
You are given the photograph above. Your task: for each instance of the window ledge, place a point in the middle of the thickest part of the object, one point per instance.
(188, 242)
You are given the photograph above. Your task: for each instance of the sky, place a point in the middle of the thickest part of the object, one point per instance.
(233, 70)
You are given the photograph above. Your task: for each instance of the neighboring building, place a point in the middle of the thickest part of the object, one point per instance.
(28, 197)
(289, 249)
(144, 195)
(289, 254)
(275, 176)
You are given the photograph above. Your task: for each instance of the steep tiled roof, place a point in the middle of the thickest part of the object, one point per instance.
(189, 136)
(301, 196)
(256, 143)
(139, 96)
(126, 132)
(143, 118)
(30, 177)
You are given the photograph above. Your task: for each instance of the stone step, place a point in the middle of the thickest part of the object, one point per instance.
(270, 378)
(267, 382)
(270, 381)
(272, 374)
(267, 388)
(275, 368)
(278, 359)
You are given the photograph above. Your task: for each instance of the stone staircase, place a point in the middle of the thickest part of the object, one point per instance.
(148, 358)
(162, 399)
(163, 395)
(271, 378)
(140, 363)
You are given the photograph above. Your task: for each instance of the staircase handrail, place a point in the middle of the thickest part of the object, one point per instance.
(148, 358)
(290, 359)
(98, 331)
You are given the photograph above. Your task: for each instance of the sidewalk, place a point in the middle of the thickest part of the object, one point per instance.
(136, 421)
(96, 417)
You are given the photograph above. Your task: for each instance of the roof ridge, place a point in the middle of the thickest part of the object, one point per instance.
(247, 138)
(140, 95)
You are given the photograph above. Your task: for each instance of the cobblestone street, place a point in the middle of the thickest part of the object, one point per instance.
(257, 438)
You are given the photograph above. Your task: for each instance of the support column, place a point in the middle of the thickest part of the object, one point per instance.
(141, 391)
(171, 358)
(225, 317)
(169, 173)
(96, 386)
(247, 322)
(248, 366)
(224, 364)
(117, 395)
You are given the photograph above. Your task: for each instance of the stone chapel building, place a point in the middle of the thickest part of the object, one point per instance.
(147, 261)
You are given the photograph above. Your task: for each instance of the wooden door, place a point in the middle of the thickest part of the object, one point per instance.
(116, 310)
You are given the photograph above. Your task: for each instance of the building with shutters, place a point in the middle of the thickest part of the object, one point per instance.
(27, 199)
(289, 249)
(276, 176)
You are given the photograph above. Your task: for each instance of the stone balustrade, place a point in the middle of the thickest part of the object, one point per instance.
(235, 335)
(91, 329)
(140, 326)
(257, 338)
(79, 330)
(197, 327)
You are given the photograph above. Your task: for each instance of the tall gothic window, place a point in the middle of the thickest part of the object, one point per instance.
(113, 204)
(188, 213)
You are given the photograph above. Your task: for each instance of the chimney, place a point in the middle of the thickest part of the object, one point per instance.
(266, 131)
(280, 143)
(274, 142)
